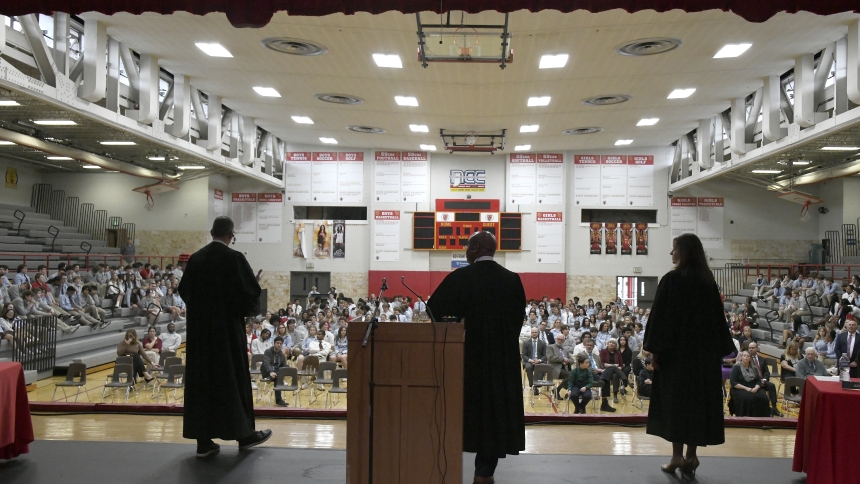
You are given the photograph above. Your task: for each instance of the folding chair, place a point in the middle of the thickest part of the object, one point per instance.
(256, 364)
(542, 380)
(792, 391)
(336, 388)
(639, 397)
(323, 379)
(162, 374)
(76, 370)
(280, 384)
(121, 360)
(175, 380)
(122, 377)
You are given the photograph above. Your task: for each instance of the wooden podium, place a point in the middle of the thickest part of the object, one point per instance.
(410, 404)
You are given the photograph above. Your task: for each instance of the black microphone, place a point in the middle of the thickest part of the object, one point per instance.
(426, 307)
(384, 286)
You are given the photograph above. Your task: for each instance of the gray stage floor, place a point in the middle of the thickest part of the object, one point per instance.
(67, 462)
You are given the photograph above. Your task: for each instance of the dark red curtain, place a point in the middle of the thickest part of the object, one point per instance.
(257, 13)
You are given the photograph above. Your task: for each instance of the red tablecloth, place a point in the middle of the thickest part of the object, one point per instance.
(16, 428)
(827, 432)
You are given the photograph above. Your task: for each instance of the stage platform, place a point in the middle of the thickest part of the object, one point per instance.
(77, 462)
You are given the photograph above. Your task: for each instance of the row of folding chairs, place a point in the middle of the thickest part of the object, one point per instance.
(289, 379)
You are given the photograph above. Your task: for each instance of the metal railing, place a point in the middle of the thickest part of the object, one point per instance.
(83, 216)
(50, 259)
(837, 272)
(36, 343)
(730, 278)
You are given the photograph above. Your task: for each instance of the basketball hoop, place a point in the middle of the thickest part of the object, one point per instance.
(804, 212)
(465, 40)
(150, 202)
(471, 138)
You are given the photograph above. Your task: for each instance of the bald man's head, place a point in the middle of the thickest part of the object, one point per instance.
(480, 244)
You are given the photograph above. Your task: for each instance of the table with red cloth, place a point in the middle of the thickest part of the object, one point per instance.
(827, 432)
(16, 427)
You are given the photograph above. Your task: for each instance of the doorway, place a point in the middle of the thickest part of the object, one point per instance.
(302, 282)
(636, 291)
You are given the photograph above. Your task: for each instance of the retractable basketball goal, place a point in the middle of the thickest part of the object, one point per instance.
(473, 142)
(464, 42)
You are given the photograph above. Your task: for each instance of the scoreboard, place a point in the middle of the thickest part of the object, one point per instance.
(454, 221)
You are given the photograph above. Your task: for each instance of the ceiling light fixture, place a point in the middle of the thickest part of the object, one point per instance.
(623, 142)
(329, 141)
(550, 61)
(90, 167)
(428, 147)
(529, 128)
(419, 128)
(795, 162)
(117, 143)
(522, 147)
(191, 167)
(840, 148)
(267, 91)
(732, 50)
(8, 102)
(388, 60)
(302, 119)
(406, 100)
(681, 93)
(767, 172)
(213, 49)
(155, 158)
(539, 101)
(6, 143)
(59, 158)
(647, 121)
(55, 122)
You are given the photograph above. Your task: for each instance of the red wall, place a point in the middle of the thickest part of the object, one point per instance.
(537, 284)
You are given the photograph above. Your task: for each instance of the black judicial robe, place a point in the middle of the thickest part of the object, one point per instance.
(688, 333)
(491, 299)
(219, 289)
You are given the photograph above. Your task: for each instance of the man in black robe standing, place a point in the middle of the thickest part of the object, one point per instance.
(490, 299)
(219, 289)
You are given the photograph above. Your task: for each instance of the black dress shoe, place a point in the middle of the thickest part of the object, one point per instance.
(775, 413)
(207, 449)
(254, 439)
(282, 404)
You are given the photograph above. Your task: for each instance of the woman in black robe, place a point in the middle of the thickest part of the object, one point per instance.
(687, 335)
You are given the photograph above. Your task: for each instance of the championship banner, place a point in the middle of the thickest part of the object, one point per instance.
(626, 239)
(339, 239)
(322, 239)
(596, 238)
(611, 238)
(642, 239)
(299, 250)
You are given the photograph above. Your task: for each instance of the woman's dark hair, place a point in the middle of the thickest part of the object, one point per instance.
(691, 258)
(605, 323)
(275, 320)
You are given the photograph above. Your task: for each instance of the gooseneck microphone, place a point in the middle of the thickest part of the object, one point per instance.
(426, 307)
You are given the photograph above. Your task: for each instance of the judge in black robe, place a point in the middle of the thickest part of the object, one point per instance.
(219, 289)
(688, 335)
(490, 299)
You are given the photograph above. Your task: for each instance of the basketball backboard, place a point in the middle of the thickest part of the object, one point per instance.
(447, 42)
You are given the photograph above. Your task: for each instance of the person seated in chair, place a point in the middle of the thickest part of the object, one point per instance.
(810, 365)
(274, 360)
(643, 380)
(560, 360)
(764, 370)
(534, 353)
(597, 368)
(747, 399)
(613, 369)
(579, 383)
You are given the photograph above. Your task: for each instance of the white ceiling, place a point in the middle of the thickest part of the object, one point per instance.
(481, 97)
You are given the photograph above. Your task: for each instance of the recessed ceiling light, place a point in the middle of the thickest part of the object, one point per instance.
(428, 147)
(623, 142)
(213, 49)
(388, 60)
(796, 162)
(329, 141)
(840, 148)
(155, 158)
(55, 122)
(419, 128)
(522, 147)
(90, 167)
(406, 100)
(6, 143)
(732, 50)
(550, 61)
(267, 91)
(767, 172)
(117, 143)
(539, 101)
(529, 128)
(191, 167)
(8, 102)
(303, 119)
(681, 93)
(59, 158)
(647, 121)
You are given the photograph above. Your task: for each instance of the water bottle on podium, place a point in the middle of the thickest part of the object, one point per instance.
(844, 364)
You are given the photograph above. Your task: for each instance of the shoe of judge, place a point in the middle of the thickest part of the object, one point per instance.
(605, 407)
(254, 439)
(207, 448)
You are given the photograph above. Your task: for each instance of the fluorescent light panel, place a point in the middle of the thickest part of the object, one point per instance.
(60, 158)
(329, 141)
(767, 172)
(267, 91)
(6, 143)
(681, 93)
(539, 101)
(91, 167)
(388, 60)
(428, 147)
(623, 142)
(732, 50)
(522, 147)
(303, 119)
(529, 128)
(840, 148)
(551, 61)
(213, 49)
(647, 121)
(8, 102)
(117, 143)
(406, 100)
(191, 167)
(55, 122)
(155, 158)
(419, 128)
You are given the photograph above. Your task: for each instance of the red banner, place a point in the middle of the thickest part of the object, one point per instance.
(299, 156)
(548, 217)
(244, 197)
(586, 160)
(596, 238)
(387, 156)
(711, 202)
(641, 239)
(219, 194)
(611, 238)
(325, 156)
(270, 197)
(626, 239)
(386, 214)
(684, 202)
(522, 158)
(350, 156)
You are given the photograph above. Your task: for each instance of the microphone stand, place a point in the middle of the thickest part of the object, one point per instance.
(370, 336)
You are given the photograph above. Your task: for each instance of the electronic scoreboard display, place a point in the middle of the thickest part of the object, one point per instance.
(454, 221)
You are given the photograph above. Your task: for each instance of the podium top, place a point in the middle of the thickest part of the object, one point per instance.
(409, 332)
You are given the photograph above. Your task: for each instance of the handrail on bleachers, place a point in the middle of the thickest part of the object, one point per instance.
(20, 219)
(86, 249)
(55, 233)
(770, 270)
(88, 259)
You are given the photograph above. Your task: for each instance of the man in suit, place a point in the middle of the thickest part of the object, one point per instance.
(809, 365)
(545, 335)
(560, 360)
(761, 365)
(273, 360)
(846, 343)
(534, 353)
(220, 290)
